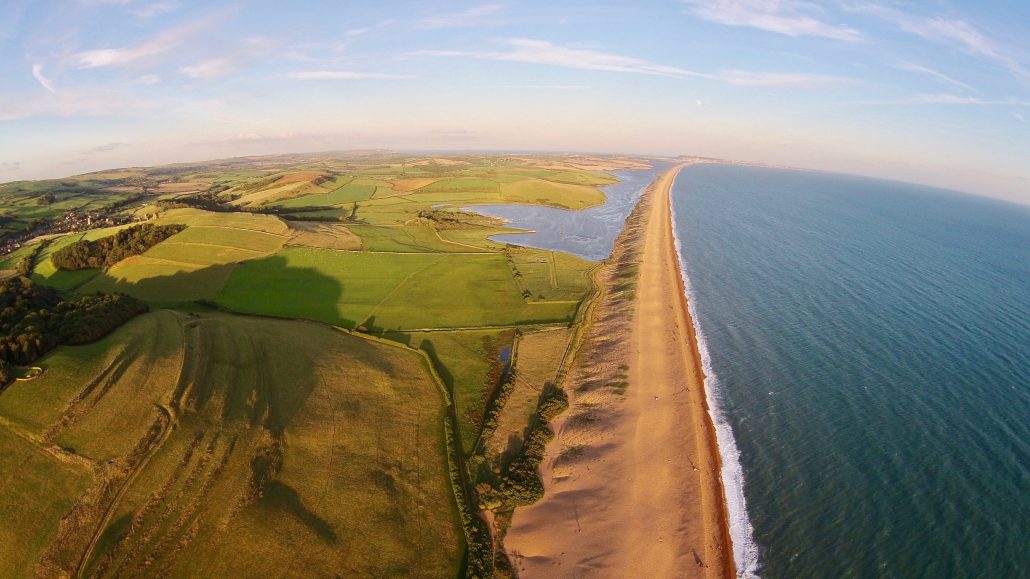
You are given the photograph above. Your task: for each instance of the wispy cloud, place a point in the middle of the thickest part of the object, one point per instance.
(790, 17)
(37, 72)
(550, 54)
(911, 67)
(951, 32)
(159, 44)
(243, 55)
(1019, 117)
(477, 16)
(343, 75)
(6, 166)
(208, 69)
(782, 80)
(944, 99)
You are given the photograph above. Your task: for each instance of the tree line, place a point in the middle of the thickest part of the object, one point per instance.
(35, 319)
(107, 251)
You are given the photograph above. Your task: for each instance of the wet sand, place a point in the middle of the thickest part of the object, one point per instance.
(632, 477)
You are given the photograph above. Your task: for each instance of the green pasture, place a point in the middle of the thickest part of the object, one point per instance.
(389, 291)
(469, 362)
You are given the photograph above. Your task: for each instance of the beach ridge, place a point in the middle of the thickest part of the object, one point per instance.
(632, 478)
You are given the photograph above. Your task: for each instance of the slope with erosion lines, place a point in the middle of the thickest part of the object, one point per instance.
(246, 444)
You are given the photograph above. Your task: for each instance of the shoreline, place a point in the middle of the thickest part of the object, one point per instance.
(638, 418)
(739, 527)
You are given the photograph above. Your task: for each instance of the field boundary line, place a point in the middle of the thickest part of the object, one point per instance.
(389, 294)
(554, 270)
(445, 240)
(240, 228)
(213, 245)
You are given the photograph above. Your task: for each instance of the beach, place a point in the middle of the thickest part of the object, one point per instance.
(632, 477)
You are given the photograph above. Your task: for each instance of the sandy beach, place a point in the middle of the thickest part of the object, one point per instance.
(632, 477)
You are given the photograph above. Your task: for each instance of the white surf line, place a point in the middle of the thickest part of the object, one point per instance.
(745, 551)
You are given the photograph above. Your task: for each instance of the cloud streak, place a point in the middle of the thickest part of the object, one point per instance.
(37, 72)
(944, 99)
(789, 17)
(950, 32)
(782, 80)
(549, 54)
(926, 71)
(157, 45)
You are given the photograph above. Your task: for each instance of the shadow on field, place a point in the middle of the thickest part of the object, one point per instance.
(279, 495)
(270, 286)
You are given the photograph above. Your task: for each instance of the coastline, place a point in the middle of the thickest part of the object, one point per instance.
(619, 500)
(741, 532)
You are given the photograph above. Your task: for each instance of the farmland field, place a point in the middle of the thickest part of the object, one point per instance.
(233, 430)
(388, 290)
(230, 446)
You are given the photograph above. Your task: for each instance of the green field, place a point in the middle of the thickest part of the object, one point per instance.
(232, 446)
(387, 290)
(469, 361)
(195, 263)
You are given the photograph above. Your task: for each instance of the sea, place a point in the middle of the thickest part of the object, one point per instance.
(867, 351)
(866, 346)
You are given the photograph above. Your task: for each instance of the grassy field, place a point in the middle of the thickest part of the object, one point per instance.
(471, 363)
(539, 355)
(195, 263)
(230, 446)
(323, 236)
(419, 238)
(387, 290)
(38, 489)
(551, 275)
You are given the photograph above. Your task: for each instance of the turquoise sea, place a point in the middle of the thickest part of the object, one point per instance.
(868, 351)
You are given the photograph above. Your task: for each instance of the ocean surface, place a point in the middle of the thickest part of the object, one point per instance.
(868, 350)
(589, 233)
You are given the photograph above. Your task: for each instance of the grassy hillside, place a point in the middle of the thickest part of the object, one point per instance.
(227, 446)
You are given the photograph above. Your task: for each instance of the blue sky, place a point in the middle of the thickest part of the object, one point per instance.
(934, 92)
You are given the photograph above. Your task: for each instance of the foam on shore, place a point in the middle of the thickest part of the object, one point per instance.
(745, 551)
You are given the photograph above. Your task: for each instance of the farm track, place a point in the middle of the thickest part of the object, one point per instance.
(145, 451)
(146, 448)
(144, 512)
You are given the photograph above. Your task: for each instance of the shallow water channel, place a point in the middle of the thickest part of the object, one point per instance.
(588, 233)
